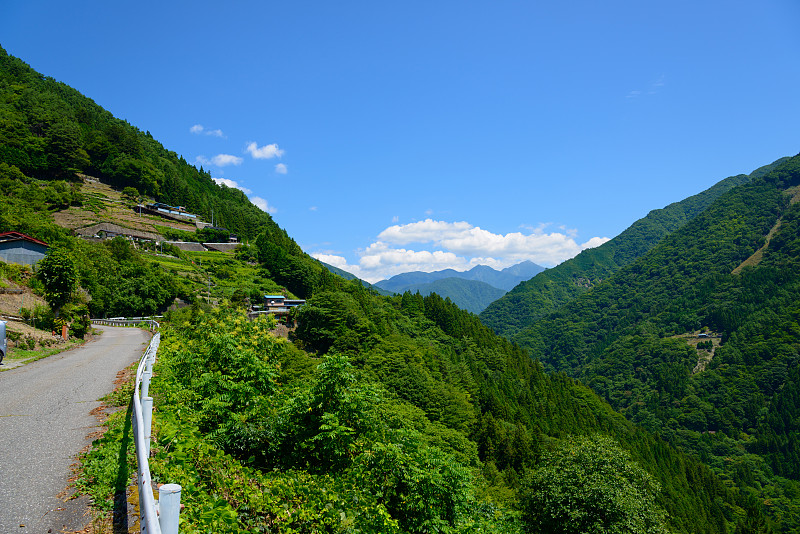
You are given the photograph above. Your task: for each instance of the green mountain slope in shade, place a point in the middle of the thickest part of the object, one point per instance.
(731, 396)
(553, 288)
(470, 295)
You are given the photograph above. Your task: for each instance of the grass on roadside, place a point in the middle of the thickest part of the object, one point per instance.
(29, 356)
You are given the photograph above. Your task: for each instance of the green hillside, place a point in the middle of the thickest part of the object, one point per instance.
(554, 287)
(470, 295)
(378, 414)
(49, 131)
(728, 397)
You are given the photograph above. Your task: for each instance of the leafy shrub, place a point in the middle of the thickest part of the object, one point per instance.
(258, 445)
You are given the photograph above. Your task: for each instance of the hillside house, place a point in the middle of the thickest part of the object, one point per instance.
(16, 247)
(277, 305)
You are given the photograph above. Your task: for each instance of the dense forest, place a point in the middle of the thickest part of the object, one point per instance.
(699, 339)
(405, 413)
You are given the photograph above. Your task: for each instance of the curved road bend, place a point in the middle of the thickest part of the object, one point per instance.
(44, 424)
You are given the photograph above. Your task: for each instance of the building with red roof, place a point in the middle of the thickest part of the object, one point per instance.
(16, 247)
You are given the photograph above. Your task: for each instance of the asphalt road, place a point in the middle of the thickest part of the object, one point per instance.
(45, 423)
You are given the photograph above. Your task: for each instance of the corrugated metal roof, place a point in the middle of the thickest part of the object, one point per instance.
(14, 236)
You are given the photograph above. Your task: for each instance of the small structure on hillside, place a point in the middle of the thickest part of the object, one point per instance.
(16, 247)
(187, 246)
(221, 247)
(277, 305)
(165, 211)
(106, 230)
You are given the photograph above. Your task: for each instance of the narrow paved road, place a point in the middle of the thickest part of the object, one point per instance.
(44, 424)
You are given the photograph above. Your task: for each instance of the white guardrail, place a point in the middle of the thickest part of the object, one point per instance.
(154, 517)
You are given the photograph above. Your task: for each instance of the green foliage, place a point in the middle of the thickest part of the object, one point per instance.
(289, 266)
(121, 282)
(590, 485)
(40, 317)
(130, 193)
(430, 353)
(58, 274)
(212, 235)
(728, 404)
(315, 452)
(471, 295)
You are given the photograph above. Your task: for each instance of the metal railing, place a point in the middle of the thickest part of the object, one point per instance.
(151, 322)
(154, 517)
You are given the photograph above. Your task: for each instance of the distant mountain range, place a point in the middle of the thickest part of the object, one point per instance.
(471, 290)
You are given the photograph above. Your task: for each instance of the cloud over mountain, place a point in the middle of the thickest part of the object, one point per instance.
(456, 245)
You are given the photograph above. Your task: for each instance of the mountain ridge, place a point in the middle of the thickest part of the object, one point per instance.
(551, 289)
(504, 279)
(471, 290)
(384, 411)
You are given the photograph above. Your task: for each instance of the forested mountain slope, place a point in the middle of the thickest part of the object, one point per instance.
(729, 397)
(49, 131)
(470, 295)
(384, 414)
(417, 411)
(551, 289)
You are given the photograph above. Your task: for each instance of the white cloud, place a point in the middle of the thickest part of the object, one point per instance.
(264, 152)
(312, 208)
(233, 184)
(472, 241)
(262, 204)
(280, 168)
(200, 129)
(460, 246)
(336, 261)
(222, 160)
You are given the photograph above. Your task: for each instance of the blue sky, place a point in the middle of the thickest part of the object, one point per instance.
(387, 137)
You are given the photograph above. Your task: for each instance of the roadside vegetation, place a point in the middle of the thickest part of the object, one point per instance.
(404, 413)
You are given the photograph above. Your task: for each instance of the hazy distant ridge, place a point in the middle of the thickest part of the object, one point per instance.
(471, 290)
(505, 279)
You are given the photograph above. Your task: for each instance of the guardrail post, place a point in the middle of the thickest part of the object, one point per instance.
(146, 383)
(147, 415)
(169, 508)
